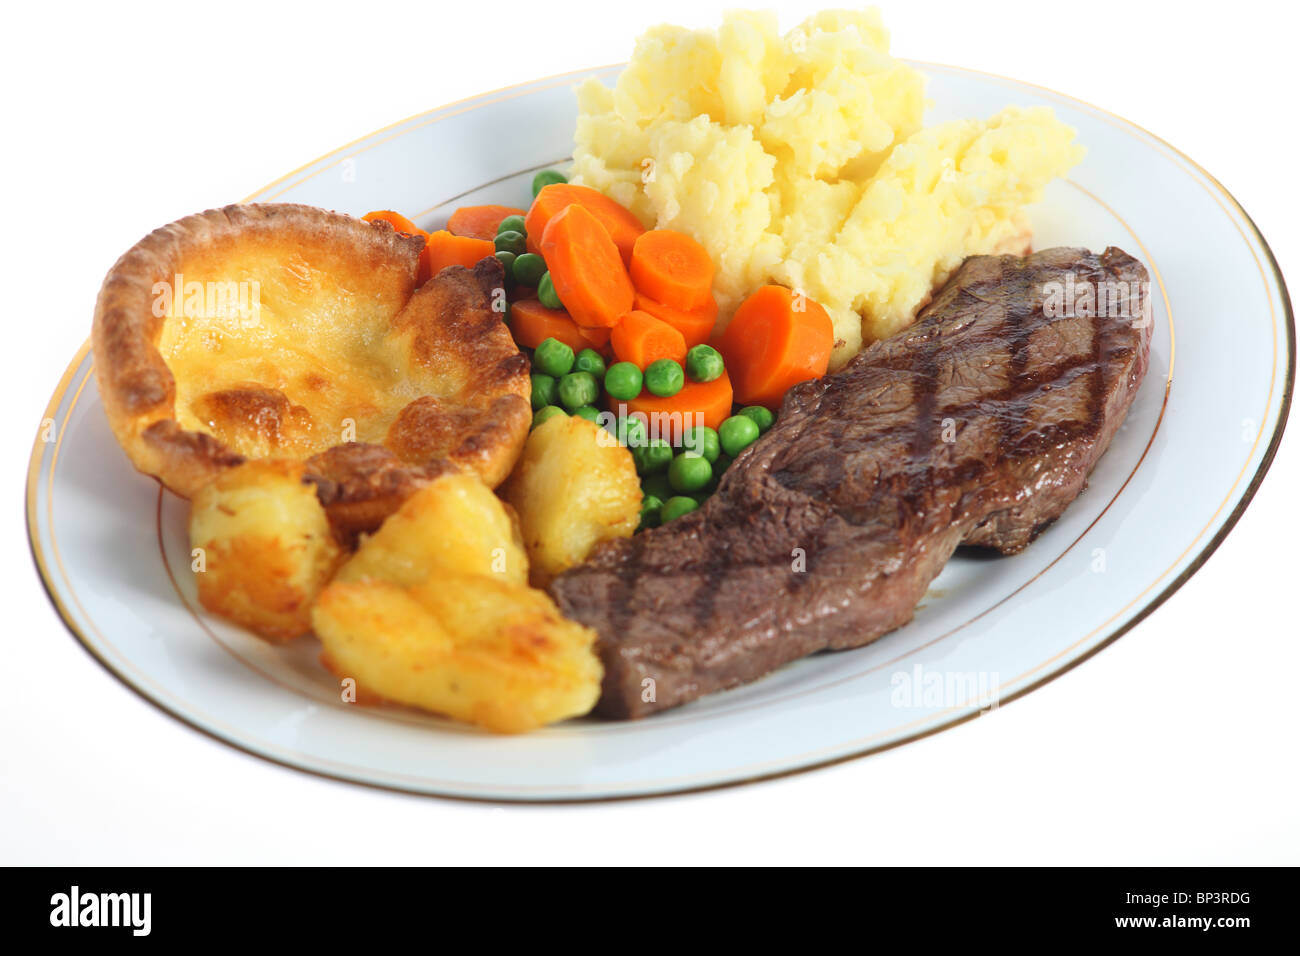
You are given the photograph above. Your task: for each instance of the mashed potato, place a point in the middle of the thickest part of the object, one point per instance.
(802, 160)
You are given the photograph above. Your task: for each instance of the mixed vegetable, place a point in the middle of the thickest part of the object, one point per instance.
(619, 321)
(679, 458)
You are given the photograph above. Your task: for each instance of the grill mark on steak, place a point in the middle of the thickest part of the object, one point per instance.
(1018, 334)
(856, 474)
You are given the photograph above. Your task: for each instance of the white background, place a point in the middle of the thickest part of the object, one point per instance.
(1178, 744)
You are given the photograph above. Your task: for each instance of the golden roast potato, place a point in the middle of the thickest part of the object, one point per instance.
(433, 612)
(285, 331)
(264, 547)
(455, 524)
(573, 488)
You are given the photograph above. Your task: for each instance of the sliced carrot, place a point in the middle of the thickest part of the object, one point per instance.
(479, 222)
(442, 249)
(532, 323)
(672, 268)
(597, 338)
(585, 268)
(397, 221)
(774, 342)
(640, 338)
(623, 227)
(666, 417)
(696, 326)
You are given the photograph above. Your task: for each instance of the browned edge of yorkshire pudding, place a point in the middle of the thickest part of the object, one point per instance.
(481, 419)
(361, 485)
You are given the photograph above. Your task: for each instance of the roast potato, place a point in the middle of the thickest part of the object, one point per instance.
(475, 648)
(434, 611)
(455, 523)
(573, 487)
(266, 547)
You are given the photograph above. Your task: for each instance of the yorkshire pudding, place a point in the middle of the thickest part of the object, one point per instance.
(279, 330)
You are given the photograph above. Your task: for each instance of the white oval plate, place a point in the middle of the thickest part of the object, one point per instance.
(113, 552)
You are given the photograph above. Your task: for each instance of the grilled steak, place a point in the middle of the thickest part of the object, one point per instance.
(977, 425)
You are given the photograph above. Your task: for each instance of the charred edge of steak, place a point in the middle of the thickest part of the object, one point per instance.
(976, 425)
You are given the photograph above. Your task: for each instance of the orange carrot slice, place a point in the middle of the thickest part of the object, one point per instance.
(597, 338)
(479, 222)
(532, 323)
(442, 249)
(774, 342)
(672, 268)
(666, 417)
(397, 221)
(585, 268)
(696, 326)
(623, 227)
(640, 338)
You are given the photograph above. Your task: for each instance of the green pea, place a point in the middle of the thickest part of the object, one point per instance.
(546, 293)
(554, 358)
(762, 417)
(590, 412)
(513, 223)
(704, 363)
(650, 508)
(676, 507)
(511, 242)
(703, 441)
(529, 269)
(657, 486)
(507, 261)
(589, 360)
(664, 378)
(689, 472)
(547, 177)
(544, 390)
(577, 389)
(546, 414)
(623, 381)
(653, 457)
(737, 433)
